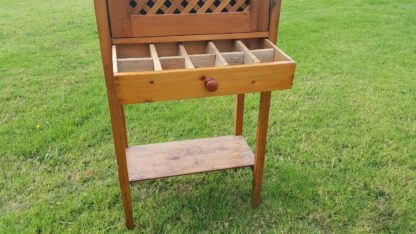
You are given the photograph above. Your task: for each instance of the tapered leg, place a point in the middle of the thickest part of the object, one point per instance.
(119, 135)
(126, 144)
(260, 146)
(120, 141)
(118, 123)
(239, 112)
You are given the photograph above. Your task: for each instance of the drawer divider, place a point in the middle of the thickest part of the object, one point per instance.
(279, 54)
(234, 58)
(156, 61)
(219, 59)
(184, 53)
(249, 58)
(114, 57)
(265, 55)
(135, 64)
(172, 62)
(203, 60)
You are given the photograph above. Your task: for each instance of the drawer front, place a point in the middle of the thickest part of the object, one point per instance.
(183, 84)
(173, 71)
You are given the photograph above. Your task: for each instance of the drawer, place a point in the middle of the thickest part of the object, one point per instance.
(173, 71)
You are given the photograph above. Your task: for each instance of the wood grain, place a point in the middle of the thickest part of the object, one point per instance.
(184, 53)
(185, 38)
(279, 55)
(249, 58)
(189, 24)
(261, 138)
(203, 60)
(116, 110)
(119, 18)
(187, 157)
(265, 55)
(274, 21)
(188, 83)
(156, 62)
(114, 58)
(172, 62)
(260, 15)
(135, 64)
(133, 51)
(171, 81)
(219, 59)
(233, 58)
(239, 114)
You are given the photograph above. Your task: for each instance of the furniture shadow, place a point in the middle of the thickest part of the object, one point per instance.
(210, 201)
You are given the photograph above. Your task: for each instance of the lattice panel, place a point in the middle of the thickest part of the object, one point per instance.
(151, 7)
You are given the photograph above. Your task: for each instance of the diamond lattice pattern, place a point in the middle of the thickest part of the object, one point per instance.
(150, 7)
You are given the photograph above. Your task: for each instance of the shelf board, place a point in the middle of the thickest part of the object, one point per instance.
(187, 157)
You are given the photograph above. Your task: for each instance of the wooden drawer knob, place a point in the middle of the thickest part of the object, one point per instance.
(211, 84)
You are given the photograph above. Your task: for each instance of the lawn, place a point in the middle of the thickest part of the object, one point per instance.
(341, 155)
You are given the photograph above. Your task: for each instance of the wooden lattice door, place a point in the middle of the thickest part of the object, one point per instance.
(140, 18)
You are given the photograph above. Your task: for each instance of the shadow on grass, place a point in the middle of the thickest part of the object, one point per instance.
(221, 201)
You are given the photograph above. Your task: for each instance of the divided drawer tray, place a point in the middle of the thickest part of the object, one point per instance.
(172, 71)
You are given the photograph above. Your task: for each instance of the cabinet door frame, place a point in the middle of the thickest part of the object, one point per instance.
(124, 24)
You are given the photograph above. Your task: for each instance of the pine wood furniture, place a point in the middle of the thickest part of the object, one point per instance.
(158, 50)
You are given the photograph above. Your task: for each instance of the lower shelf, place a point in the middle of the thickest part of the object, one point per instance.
(187, 157)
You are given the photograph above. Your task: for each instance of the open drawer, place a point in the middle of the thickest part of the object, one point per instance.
(172, 71)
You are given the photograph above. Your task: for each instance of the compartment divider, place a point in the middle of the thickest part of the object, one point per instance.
(249, 56)
(135, 64)
(184, 53)
(172, 62)
(278, 54)
(190, 55)
(203, 60)
(219, 59)
(264, 55)
(156, 62)
(115, 61)
(233, 58)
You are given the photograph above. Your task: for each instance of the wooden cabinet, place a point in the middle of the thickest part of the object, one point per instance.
(160, 50)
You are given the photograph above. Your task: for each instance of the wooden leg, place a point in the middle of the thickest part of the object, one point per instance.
(126, 144)
(239, 112)
(260, 147)
(119, 135)
(118, 123)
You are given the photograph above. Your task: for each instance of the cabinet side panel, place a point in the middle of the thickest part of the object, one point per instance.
(119, 18)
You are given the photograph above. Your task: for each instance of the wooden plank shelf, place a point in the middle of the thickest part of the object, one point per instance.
(187, 157)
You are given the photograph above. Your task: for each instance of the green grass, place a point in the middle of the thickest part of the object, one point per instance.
(342, 143)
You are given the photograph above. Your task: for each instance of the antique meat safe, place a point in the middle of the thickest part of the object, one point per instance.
(160, 50)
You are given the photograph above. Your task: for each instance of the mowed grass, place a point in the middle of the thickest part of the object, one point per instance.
(341, 155)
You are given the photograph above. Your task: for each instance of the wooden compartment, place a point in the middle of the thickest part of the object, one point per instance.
(265, 50)
(172, 71)
(132, 58)
(203, 54)
(167, 56)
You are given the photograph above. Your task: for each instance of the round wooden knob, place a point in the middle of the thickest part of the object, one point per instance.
(211, 84)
